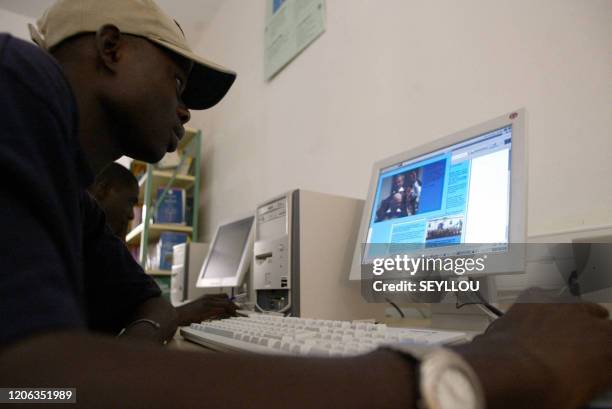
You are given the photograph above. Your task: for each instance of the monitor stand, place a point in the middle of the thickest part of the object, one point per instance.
(445, 314)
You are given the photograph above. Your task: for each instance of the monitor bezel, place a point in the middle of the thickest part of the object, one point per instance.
(512, 261)
(245, 259)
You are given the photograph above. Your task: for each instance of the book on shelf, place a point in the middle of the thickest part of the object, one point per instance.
(152, 259)
(162, 259)
(189, 210)
(172, 207)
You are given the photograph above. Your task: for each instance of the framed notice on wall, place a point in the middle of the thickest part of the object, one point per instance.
(291, 25)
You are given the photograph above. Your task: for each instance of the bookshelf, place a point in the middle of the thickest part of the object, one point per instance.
(184, 176)
(134, 236)
(161, 179)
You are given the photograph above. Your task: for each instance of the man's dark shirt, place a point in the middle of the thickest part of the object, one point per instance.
(60, 265)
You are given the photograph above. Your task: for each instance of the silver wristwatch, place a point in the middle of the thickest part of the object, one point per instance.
(446, 380)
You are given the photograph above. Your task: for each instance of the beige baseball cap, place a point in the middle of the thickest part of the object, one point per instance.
(208, 82)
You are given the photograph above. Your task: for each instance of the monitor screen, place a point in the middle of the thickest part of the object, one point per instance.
(459, 194)
(229, 255)
(467, 188)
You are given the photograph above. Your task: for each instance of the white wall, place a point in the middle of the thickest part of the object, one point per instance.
(390, 75)
(15, 24)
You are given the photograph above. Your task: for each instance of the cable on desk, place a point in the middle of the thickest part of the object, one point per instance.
(398, 309)
(483, 303)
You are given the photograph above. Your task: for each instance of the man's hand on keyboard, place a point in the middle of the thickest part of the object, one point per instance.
(207, 307)
(558, 355)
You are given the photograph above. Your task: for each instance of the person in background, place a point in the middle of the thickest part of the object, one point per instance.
(413, 196)
(120, 80)
(116, 191)
(394, 206)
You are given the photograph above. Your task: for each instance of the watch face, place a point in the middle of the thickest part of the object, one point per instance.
(454, 390)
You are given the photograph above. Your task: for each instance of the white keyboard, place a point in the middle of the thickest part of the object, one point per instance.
(269, 334)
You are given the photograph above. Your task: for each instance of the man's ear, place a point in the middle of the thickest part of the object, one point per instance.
(100, 191)
(109, 46)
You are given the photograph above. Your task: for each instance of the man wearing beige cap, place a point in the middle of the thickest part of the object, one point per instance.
(121, 80)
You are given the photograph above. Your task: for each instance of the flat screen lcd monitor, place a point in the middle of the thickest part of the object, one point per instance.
(229, 255)
(462, 194)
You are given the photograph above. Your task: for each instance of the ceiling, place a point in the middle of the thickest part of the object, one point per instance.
(193, 15)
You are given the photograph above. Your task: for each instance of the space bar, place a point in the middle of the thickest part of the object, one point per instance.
(224, 344)
(219, 331)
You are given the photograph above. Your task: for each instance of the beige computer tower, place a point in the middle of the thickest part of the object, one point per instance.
(187, 260)
(304, 244)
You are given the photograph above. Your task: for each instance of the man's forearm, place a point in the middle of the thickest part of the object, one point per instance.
(194, 312)
(184, 314)
(130, 375)
(156, 309)
(513, 379)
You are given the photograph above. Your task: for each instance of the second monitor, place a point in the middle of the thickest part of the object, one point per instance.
(229, 256)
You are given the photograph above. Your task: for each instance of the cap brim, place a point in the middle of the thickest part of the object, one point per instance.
(207, 83)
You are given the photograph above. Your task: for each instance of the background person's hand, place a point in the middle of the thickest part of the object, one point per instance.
(207, 307)
(544, 355)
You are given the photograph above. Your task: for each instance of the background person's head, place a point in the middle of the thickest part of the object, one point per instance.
(116, 190)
